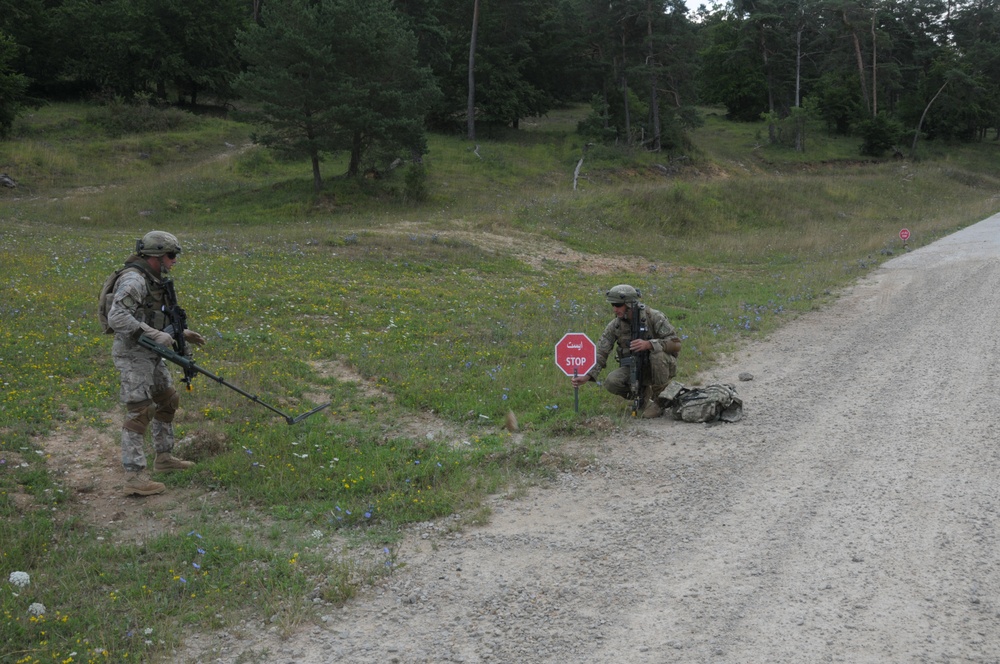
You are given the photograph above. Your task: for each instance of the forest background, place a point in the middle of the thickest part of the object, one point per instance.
(738, 164)
(368, 78)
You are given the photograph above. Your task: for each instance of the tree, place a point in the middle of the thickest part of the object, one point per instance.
(334, 75)
(470, 117)
(191, 44)
(516, 61)
(731, 74)
(13, 86)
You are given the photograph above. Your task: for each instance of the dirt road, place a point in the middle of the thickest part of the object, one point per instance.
(851, 516)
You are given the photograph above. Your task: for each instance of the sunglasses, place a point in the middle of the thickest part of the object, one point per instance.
(623, 304)
(172, 255)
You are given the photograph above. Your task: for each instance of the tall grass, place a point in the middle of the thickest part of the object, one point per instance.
(433, 316)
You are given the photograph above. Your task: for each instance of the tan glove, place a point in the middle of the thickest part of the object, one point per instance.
(159, 336)
(193, 337)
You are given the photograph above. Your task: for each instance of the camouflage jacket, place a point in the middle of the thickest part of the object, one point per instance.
(139, 298)
(619, 331)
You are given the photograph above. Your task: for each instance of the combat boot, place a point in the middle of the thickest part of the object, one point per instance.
(166, 462)
(652, 408)
(139, 484)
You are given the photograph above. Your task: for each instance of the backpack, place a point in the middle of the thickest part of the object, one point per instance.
(107, 296)
(702, 404)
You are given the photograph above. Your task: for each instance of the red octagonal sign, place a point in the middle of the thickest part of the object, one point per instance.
(576, 353)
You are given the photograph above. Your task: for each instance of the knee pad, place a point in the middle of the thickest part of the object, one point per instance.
(166, 405)
(137, 416)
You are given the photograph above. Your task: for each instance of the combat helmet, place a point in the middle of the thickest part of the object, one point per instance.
(157, 243)
(623, 294)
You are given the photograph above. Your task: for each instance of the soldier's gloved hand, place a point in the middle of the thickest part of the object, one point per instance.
(193, 337)
(159, 336)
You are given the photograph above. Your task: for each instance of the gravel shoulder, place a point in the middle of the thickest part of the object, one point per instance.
(850, 516)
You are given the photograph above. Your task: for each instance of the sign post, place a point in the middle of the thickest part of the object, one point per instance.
(576, 354)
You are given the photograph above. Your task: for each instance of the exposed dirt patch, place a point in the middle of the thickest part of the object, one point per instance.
(533, 250)
(87, 462)
(419, 425)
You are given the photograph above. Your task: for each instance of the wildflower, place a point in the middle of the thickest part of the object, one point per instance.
(19, 579)
(317, 534)
(36, 609)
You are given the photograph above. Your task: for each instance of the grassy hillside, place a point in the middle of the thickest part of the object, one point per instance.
(425, 306)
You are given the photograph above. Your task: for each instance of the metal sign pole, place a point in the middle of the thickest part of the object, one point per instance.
(576, 394)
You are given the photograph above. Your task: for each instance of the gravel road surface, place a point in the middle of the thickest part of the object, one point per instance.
(851, 516)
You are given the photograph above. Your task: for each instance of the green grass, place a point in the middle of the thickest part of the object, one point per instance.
(446, 309)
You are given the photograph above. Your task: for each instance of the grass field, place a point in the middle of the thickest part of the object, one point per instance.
(400, 309)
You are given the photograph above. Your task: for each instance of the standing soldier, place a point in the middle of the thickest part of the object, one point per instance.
(640, 333)
(139, 307)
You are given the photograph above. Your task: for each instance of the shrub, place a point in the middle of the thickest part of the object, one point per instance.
(118, 117)
(416, 182)
(879, 134)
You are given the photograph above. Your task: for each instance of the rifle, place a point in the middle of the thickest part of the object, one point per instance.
(636, 362)
(178, 323)
(190, 368)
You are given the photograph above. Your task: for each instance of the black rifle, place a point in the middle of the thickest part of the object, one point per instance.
(191, 368)
(178, 323)
(637, 361)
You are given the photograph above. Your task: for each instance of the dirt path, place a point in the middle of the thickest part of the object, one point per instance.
(851, 516)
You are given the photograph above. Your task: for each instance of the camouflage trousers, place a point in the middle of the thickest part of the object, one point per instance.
(658, 372)
(145, 381)
(133, 452)
(617, 382)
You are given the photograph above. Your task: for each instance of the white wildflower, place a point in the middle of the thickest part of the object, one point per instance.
(36, 609)
(317, 534)
(19, 579)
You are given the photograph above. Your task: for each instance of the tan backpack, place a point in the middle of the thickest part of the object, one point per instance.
(107, 296)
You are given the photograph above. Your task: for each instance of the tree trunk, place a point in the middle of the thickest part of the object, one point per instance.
(861, 62)
(916, 134)
(355, 166)
(317, 179)
(654, 101)
(628, 115)
(471, 108)
(874, 70)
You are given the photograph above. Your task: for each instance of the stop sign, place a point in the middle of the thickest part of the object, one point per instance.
(576, 353)
(904, 235)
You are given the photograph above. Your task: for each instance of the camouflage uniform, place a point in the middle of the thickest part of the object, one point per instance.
(662, 366)
(145, 380)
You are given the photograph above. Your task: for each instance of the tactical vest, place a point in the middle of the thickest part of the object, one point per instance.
(151, 310)
(625, 337)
